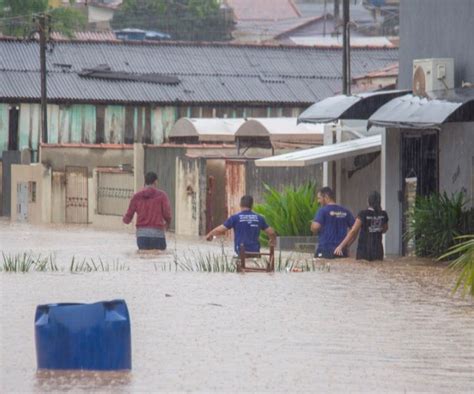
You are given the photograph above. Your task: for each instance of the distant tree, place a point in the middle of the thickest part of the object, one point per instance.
(17, 17)
(182, 19)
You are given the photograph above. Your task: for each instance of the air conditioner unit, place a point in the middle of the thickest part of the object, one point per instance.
(432, 74)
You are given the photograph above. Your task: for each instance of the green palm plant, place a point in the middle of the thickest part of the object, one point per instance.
(464, 263)
(436, 221)
(289, 212)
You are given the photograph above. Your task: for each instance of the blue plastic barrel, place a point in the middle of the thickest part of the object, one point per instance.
(83, 336)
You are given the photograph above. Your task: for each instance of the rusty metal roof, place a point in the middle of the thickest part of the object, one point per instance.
(208, 72)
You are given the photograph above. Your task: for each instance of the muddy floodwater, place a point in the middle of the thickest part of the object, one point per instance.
(378, 327)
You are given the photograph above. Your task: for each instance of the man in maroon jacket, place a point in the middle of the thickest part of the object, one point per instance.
(153, 210)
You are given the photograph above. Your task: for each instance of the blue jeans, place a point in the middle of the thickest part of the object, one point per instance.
(148, 243)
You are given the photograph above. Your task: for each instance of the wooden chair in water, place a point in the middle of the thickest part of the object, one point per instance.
(270, 265)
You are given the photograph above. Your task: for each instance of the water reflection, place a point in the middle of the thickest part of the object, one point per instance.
(46, 380)
(391, 326)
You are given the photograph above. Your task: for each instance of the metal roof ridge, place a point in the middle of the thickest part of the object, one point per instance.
(230, 44)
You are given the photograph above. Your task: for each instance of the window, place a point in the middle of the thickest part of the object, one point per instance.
(32, 192)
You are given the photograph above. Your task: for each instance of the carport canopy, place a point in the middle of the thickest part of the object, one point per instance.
(206, 129)
(324, 153)
(281, 130)
(439, 107)
(359, 106)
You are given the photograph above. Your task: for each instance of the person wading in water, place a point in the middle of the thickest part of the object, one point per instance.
(371, 223)
(332, 222)
(247, 225)
(153, 210)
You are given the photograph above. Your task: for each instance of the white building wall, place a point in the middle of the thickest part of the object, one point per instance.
(390, 188)
(456, 158)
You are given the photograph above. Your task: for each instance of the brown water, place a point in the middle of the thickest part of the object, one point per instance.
(389, 326)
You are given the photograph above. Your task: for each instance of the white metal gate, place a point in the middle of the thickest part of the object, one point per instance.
(114, 191)
(22, 201)
(76, 195)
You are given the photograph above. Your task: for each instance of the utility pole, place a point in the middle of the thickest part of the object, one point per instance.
(44, 109)
(346, 49)
(336, 10)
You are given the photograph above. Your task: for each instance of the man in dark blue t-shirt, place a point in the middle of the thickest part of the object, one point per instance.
(332, 223)
(247, 225)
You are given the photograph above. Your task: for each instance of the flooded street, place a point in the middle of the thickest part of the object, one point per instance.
(391, 326)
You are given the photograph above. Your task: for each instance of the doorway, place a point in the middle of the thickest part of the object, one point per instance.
(77, 195)
(419, 173)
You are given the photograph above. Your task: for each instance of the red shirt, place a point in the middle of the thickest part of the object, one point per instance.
(152, 207)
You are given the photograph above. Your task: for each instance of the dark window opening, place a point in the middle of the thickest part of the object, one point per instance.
(129, 123)
(146, 138)
(100, 124)
(13, 121)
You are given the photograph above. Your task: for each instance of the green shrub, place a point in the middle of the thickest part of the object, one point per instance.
(436, 221)
(464, 263)
(290, 213)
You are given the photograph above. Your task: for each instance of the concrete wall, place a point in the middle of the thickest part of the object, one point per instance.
(39, 211)
(60, 157)
(9, 158)
(188, 196)
(139, 166)
(4, 119)
(390, 187)
(163, 162)
(58, 197)
(355, 189)
(437, 28)
(456, 155)
(113, 222)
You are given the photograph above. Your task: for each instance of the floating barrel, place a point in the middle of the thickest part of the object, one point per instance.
(83, 336)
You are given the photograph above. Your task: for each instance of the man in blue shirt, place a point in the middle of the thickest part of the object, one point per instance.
(247, 225)
(332, 223)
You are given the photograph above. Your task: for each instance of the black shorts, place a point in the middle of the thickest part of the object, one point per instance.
(149, 243)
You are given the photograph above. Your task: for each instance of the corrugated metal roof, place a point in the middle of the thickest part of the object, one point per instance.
(209, 73)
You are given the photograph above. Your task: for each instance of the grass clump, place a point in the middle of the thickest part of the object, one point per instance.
(197, 261)
(28, 262)
(92, 265)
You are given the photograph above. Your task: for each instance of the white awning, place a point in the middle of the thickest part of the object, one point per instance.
(324, 153)
(281, 129)
(207, 129)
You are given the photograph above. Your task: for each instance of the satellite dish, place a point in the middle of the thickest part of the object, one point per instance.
(419, 81)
